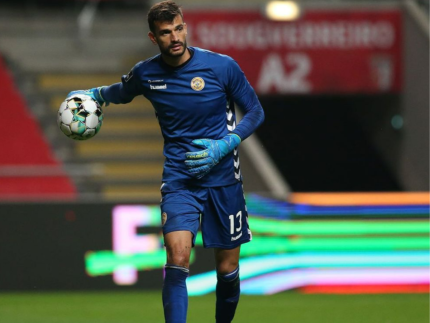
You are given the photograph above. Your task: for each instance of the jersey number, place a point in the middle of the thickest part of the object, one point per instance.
(231, 217)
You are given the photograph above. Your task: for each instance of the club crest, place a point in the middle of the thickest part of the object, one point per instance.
(197, 84)
(163, 218)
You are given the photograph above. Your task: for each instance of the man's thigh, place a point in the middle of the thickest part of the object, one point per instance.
(181, 209)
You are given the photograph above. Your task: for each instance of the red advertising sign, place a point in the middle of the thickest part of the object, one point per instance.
(324, 51)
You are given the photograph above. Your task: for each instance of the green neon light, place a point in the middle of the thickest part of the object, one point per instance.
(154, 215)
(267, 245)
(266, 226)
(106, 262)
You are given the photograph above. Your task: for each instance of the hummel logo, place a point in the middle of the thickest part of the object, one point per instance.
(158, 87)
(236, 237)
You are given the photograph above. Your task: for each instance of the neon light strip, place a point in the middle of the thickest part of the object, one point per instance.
(372, 198)
(288, 279)
(106, 262)
(264, 225)
(281, 209)
(103, 262)
(126, 218)
(149, 215)
(265, 245)
(365, 289)
(255, 266)
(361, 210)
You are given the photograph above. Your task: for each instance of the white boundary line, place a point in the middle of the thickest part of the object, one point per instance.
(419, 15)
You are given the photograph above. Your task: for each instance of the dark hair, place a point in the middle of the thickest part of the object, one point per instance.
(163, 11)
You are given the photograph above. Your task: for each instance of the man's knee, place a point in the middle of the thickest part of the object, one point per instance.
(226, 267)
(178, 248)
(226, 260)
(179, 255)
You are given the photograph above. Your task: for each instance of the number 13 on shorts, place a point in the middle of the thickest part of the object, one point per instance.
(225, 218)
(233, 228)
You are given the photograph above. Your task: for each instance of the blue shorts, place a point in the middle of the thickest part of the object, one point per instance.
(221, 212)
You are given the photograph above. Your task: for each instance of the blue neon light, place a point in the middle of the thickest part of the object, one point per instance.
(256, 266)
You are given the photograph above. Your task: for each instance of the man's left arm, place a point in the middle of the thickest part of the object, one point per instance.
(201, 162)
(253, 113)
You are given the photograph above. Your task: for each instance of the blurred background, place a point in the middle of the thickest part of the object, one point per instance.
(336, 179)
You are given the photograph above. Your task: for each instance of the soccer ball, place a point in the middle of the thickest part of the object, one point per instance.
(80, 117)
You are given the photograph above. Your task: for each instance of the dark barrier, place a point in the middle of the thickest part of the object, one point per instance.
(45, 247)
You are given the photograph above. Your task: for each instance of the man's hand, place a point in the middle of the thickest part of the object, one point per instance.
(94, 93)
(199, 163)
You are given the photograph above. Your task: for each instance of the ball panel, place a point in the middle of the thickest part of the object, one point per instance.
(92, 121)
(89, 133)
(72, 104)
(78, 127)
(90, 106)
(76, 137)
(63, 107)
(99, 125)
(65, 129)
(81, 115)
(67, 117)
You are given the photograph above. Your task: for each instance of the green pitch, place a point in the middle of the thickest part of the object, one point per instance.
(145, 307)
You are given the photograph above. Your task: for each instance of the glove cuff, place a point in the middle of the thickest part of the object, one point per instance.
(228, 144)
(233, 140)
(97, 92)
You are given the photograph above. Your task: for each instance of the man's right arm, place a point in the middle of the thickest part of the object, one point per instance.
(126, 90)
(118, 93)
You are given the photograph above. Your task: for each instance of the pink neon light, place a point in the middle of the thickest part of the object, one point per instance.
(288, 279)
(126, 220)
(365, 289)
(126, 240)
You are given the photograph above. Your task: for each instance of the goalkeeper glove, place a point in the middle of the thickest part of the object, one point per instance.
(199, 163)
(94, 93)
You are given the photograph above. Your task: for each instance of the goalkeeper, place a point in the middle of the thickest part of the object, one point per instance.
(194, 92)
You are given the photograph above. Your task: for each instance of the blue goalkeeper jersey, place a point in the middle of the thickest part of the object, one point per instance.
(193, 101)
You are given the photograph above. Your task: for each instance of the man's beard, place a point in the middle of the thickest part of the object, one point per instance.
(166, 51)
